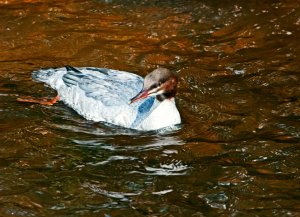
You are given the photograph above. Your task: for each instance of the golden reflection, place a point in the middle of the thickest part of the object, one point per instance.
(230, 39)
(22, 201)
(18, 1)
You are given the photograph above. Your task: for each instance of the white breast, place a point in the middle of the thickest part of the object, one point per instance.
(166, 114)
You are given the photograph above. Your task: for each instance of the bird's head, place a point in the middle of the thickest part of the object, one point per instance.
(161, 83)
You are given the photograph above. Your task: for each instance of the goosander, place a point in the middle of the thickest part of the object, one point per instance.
(116, 97)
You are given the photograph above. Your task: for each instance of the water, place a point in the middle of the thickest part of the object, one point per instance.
(237, 151)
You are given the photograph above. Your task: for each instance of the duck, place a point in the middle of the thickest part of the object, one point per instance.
(115, 97)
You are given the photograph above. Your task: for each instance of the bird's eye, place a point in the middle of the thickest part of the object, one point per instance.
(153, 86)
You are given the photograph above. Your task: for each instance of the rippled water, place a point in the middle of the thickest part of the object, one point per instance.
(237, 151)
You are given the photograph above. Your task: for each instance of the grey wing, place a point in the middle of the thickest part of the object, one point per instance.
(111, 88)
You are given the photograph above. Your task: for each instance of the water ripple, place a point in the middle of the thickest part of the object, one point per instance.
(112, 159)
(112, 194)
(171, 169)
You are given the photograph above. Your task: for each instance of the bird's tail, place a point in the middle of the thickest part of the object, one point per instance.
(44, 75)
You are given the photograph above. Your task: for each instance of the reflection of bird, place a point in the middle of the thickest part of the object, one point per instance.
(107, 95)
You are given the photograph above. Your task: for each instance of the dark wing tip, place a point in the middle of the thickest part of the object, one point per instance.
(72, 76)
(71, 68)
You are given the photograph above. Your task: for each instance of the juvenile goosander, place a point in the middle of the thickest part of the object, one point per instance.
(116, 97)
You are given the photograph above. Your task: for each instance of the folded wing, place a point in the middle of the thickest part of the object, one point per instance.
(108, 86)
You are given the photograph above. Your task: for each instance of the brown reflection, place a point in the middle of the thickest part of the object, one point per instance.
(204, 149)
(238, 67)
(231, 39)
(94, 34)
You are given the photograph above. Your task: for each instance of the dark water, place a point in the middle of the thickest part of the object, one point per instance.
(237, 151)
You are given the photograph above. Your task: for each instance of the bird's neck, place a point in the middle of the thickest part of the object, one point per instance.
(164, 96)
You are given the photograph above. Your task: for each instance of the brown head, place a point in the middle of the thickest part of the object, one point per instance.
(161, 83)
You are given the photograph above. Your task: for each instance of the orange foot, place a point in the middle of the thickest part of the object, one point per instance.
(42, 101)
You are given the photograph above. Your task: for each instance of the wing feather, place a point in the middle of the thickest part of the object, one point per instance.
(111, 87)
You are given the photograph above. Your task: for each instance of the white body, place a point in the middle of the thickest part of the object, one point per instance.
(103, 95)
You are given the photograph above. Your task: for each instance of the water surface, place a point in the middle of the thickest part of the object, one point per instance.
(237, 151)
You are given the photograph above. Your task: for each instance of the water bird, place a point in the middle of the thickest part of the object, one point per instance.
(115, 97)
